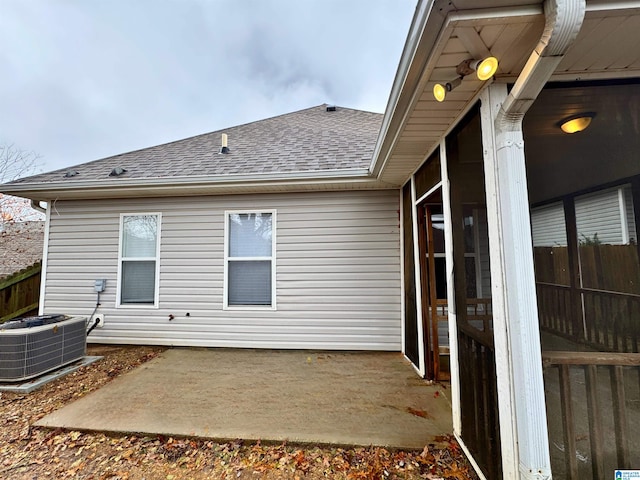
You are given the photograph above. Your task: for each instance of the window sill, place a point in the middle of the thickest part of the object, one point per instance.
(137, 305)
(262, 308)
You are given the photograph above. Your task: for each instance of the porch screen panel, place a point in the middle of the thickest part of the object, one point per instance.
(410, 313)
(428, 175)
(476, 355)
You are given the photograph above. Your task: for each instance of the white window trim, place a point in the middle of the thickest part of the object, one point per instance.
(156, 300)
(225, 293)
(624, 223)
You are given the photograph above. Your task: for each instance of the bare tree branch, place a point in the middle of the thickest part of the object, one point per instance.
(16, 163)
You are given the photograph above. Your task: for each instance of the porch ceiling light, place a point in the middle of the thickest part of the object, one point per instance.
(576, 123)
(484, 68)
(440, 90)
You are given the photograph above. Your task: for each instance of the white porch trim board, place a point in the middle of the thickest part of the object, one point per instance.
(454, 366)
(403, 348)
(418, 279)
(521, 403)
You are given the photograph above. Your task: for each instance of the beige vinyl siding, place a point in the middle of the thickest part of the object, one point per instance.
(548, 226)
(599, 214)
(337, 271)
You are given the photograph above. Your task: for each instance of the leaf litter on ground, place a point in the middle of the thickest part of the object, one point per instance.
(28, 452)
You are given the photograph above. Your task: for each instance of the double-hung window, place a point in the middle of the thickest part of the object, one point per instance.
(139, 259)
(249, 260)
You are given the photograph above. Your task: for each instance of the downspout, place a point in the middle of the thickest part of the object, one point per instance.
(563, 22)
(521, 336)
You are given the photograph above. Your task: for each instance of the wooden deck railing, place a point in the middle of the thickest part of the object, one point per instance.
(593, 412)
(612, 320)
(555, 309)
(479, 315)
(20, 293)
(605, 320)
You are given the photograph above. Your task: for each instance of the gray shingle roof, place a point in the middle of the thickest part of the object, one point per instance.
(310, 140)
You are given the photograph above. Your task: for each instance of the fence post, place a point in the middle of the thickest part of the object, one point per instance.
(577, 327)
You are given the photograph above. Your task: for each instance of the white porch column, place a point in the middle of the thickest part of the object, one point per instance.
(521, 401)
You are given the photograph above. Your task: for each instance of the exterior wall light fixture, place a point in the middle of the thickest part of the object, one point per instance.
(576, 123)
(440, 90)
(484, 70)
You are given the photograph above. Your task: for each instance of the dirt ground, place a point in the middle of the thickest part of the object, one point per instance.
(28, 452)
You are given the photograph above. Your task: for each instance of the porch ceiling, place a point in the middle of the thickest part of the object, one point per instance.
(608, 46)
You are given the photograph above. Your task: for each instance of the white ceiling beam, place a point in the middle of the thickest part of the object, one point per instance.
(472, 42)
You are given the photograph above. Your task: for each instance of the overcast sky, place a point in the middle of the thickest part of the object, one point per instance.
(82, 80)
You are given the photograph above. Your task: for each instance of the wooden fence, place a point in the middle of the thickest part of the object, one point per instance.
(20, 293)
(614, 268)
(600, 306)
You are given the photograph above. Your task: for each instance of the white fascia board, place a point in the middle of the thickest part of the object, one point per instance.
(408, 75)
(183, 185)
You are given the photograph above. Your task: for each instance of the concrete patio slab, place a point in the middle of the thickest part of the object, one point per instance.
(339, 398)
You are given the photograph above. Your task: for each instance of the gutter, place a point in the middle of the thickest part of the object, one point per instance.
(563, 22)
(190, 182)
(36, 206)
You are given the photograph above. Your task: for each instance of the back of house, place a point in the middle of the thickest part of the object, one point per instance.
(279, 240)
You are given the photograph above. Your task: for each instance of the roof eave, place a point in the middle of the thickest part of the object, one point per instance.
(429, 28)
(189, 185)
(420, 55)
(423, 33)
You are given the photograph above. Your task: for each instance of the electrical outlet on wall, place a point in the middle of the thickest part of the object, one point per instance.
(99, 317)
(100, 285)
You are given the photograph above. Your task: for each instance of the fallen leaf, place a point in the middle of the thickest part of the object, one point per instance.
(418, 412)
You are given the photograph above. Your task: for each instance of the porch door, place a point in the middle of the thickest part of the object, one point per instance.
(434, 290)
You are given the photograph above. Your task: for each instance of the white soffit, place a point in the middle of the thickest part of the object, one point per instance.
(608, 46)
(508, 34)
